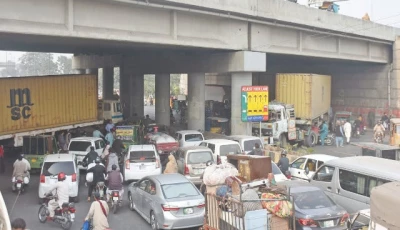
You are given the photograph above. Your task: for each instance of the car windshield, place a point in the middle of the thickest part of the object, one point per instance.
(81, 146)
(172, 191)
(230, 149)
(142, 156)
(199, 157)
(53, 168)
(193, 137)
(275, 169)
(249, 145)
(312, 200)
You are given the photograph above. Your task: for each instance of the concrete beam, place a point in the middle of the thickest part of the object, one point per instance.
(154, 63)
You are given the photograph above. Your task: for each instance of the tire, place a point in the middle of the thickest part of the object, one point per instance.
(131, 202)
(283, 141)
(153, 221)
(42, 214)
(67, 225)
(311, 140)
(115, 208)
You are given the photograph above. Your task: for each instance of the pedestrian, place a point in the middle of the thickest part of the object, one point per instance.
(98, 213)
(109, 126)
(347, 130)
(172, 166)
(61, 140)
(283, 162)
(106, 151)
(110, 138)
(339, 134)
(257, 150)
(2, 165)
(97, 133)
(18, 224)
(111, 160)
(323, 132)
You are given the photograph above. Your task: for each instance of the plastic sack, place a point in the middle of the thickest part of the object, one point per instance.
(281, 208)
(222, 190)
(216, 174)
(89, 177)
(86, 225)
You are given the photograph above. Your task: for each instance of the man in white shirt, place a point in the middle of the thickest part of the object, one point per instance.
(62, 194)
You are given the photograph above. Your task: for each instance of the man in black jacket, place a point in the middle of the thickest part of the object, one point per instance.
(91, 156)
(99, 172)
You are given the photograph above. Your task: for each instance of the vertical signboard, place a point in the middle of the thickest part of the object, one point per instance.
(254, 103)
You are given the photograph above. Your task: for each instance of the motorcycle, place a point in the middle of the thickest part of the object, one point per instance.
(19, 184)
(115, 200)
(329, 139)
(379, 138)
(63, 216)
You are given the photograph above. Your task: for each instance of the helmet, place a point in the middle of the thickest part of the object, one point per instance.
(114, 167)
(284, 152)
(97, 161)
(61, 176)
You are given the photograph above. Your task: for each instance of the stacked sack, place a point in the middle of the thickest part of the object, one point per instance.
(215, 175)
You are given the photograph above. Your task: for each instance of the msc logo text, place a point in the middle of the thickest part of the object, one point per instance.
(20, 103)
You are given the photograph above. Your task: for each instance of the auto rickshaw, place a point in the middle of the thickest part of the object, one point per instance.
(36, 148)
(219, 125)
(379, 150)
(129, 134)
(341, 116)
(394, 129)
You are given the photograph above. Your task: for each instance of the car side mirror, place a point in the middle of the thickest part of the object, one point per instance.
(307, 171)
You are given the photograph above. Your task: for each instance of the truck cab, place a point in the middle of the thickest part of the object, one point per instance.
(110, 109)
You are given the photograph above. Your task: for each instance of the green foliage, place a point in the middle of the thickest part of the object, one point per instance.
(64, 65)
(149, 84)
(33, 64)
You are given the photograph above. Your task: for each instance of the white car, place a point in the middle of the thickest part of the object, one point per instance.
(80, 146)
(247, 143)
(222, 148)
(54, 164)
(189, 138)
(141, 161)
(308, 162)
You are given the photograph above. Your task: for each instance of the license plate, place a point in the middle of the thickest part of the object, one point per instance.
(187, 211)
(198, 171)
(19, 185)
(115, 198)
(72, 215)
(329, 223)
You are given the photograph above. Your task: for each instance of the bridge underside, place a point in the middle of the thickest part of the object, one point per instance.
(112, 27)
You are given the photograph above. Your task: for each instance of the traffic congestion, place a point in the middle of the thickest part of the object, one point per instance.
(177, 181)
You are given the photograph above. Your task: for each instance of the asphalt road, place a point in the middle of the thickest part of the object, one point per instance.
(27, 206)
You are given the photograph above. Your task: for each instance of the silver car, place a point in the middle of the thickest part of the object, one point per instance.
(192, 161)
(167, 201)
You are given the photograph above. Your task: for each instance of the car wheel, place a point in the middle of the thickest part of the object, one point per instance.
(131, 204)
(153, 221)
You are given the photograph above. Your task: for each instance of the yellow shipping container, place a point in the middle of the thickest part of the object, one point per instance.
(309, 93)
(32, 103)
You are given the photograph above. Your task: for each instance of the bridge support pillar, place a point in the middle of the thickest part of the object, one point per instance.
(108, 83)
(196, 103)
(162, 91)
(237, 81)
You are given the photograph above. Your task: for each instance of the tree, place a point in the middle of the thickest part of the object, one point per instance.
(64, 64)
(116, 78)
(10, 70)
(175, 80)
(37, 64)
(149, 85)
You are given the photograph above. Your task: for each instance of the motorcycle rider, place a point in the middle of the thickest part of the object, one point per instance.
(18, 224)
(20, 170)
(91, 156)
(28, 165)
(385, 120)
(379, 129)
(98, 176)
(115, 180)
(98, 213)
(61, 196)
(283, 163)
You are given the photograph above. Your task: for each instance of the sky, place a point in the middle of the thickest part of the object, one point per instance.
(381, 11)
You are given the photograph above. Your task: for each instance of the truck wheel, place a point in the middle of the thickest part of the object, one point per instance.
(311, 140)
(283, 140)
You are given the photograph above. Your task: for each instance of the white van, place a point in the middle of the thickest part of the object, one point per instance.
(222, 148)
(349, 180)
(247, 143)
(80, 146)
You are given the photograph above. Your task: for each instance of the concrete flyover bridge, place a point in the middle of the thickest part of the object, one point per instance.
(246, 40)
